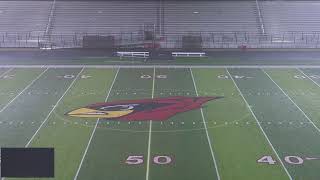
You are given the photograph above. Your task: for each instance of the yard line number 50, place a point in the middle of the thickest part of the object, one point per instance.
(160, 160)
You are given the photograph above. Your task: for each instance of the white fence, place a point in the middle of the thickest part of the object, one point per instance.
(133, 54)
(170, 41)
(188, 54)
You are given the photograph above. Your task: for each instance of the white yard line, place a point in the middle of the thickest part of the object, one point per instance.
(308, 77)
(51, 110)
(150, 128)
(205, 126)
(160, 66)
(265, 135)
(292, 101)
(6, 72)
(3, 108)
(94, 129)
(54, 107)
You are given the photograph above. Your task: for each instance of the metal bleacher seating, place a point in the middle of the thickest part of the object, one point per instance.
(123, 19)
(210, 16)
(102, 17)
(216, 21)
(63, 23)
(22, 22)
(291, 23)
(289, 16)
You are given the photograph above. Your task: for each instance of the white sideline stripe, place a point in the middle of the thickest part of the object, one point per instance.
(54, 107)
(150, 128)
(2, 109)
(205, 126)
(292, 101)
(51, 110)
(6, 72)
(160, 66)
(265, 135)
(94, 129)
(308, 77)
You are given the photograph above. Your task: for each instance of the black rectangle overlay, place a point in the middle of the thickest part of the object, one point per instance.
(27, 162)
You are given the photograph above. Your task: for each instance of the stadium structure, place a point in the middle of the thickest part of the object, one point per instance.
(159, 89)
(219, 24)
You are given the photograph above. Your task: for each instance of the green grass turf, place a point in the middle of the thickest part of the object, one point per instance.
(14, 81)
(190, 149)
(300, 89)
(113, 142)
(32, 107)
(231, 126)
(288, 136)
(236, 139)
(70, 135)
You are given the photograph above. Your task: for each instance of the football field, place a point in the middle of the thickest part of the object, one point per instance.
(251, 124)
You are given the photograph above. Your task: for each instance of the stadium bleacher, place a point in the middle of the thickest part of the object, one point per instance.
(24, 16)
(102, 17)
(210, 16)
(288, 16)
(23, 22)
(220, 23)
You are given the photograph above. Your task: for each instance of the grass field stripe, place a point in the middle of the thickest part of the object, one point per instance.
(150, 127)
(292, 101)
(153, 81)
(86, 150)
(23, 90)
(205, 127)
(308, 77)
(265, 135)
(6, 72)
(54, 107)
(94, 129)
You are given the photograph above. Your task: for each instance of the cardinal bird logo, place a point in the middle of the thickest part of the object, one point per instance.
(157, 109)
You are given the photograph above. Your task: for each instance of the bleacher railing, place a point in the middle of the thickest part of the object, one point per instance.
(171, 41)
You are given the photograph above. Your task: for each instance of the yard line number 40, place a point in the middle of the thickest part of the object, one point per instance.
(294, 160)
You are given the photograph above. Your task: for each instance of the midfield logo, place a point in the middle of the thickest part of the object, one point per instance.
(157, 109)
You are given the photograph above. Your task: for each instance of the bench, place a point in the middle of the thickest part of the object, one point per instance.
(133, 54)
(188, 54)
